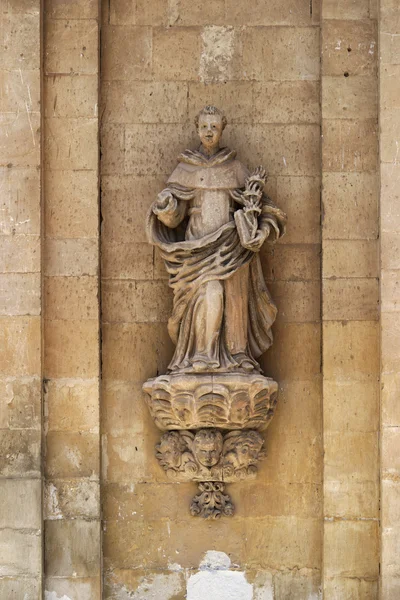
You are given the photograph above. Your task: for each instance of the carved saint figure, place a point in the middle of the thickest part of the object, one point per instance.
(209, 223)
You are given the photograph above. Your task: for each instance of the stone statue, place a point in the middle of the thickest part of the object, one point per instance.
(209, 224)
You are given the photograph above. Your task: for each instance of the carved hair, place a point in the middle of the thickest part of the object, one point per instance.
(210, 110)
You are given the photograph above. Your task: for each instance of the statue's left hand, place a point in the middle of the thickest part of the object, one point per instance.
(257, 241)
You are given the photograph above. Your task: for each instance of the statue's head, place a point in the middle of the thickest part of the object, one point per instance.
(207, 447)
(210, 123)
(170, 450)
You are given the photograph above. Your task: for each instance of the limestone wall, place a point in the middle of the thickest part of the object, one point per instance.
(95, 105)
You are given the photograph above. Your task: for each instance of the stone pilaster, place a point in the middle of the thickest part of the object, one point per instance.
(350, 351)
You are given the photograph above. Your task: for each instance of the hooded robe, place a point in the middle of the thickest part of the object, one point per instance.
(200, 236)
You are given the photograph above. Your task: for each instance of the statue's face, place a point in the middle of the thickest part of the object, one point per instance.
(210, 130)
(170, 451)
(207, 448)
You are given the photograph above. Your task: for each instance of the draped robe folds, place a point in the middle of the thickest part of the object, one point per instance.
(200, 243)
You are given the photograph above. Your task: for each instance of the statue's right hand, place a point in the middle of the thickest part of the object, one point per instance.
(165, 202)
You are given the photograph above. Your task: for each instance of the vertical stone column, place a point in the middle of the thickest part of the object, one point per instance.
(350, 299)
(389, 96)
(71, 317)
(20, 304)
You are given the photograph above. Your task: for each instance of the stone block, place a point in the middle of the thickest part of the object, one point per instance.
(349, 145)
(71, 46)
(351, 549)
(265, 545)
(390, 551)
(390, 46)
(390, 585)
(15, 589)
(123, 343)
(351, 350)
(140, 545)
(20, 91)
(390, 503)
(126, 12)
(349, 97)
(71, 144)
(300, 199)
(125, 201)
(389, 16)
(286, 499)
(144, 102)
(142, 141)
(279, 53)
(176, 53)
(21, 503)
(151, 583)
(126, 52)
(342, 9)
(302, 584)
(71, 257)
(390, 130)
(124, 407)
(20, 453)
(390, 197)
(350, 299)
(72, 405)
(74, 588)
(69, 298)
(291, 262)
(294, 418)
(71, 455)
(286, 102)
(20, 139)
(345, 498)
(390, 342)
(189, 14)
(389, 88)
(148, 501)
(19, 294)
(127, 261)
(390, 248)
(234, 97)
(113, 149)
(297, 301)
(295, 13)
(88, 9)
(349, 46)
(20, 340)
(140, 301)
(286, 359)
(72, 548)
(20, 401)
(72, 96)
(351, 406)
(350, 204)
(20, 30)
(125, 457)
(20, 201)
(292, 150)
(349, 258)
(390, 398)
(71, 499)
(390, 459)
(19, 253)
(71, 348)
(20, 554)
(346, 588)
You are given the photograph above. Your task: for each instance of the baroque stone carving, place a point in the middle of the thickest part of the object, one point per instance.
(209, 224)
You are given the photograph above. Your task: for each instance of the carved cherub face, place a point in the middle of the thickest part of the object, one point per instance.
(210, 128)
(207, 447)
(170, 449)
(248, 447)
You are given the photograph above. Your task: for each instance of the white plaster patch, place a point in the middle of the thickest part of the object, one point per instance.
(217, 54)
(215, 581)
(219, 585)
(53, 596)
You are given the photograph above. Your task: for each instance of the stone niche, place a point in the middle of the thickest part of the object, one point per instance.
(209, 224)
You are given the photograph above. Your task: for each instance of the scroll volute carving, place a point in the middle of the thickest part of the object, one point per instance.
(209, 224)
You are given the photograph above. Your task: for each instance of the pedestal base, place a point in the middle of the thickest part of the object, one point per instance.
(222, 400)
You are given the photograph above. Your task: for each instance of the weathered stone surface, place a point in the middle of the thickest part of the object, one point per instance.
(72, 547)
